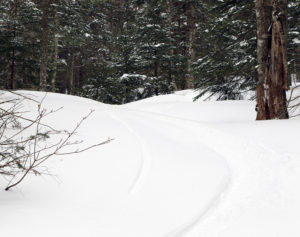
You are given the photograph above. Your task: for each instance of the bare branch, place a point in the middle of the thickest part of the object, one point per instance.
(19, 155)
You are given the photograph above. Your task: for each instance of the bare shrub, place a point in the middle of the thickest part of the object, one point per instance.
(26, 143)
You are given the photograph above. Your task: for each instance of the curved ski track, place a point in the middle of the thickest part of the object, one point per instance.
(185, 229)
(242, 156)
(145, 159)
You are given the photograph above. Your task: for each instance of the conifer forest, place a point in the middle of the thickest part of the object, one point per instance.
(118, 51)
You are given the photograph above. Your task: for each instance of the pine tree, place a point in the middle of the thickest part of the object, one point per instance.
(152, 51)
(19, 43)
(293, 50)
(226, 63)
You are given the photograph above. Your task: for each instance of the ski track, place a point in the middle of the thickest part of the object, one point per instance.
(242, 156)
(142, 173)
(186, 228)
(145, 158)
(221, 189)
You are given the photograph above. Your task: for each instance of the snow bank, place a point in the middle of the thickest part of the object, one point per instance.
(176, 168)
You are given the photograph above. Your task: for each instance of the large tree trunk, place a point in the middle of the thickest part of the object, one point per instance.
(272, 63)
(44, 45)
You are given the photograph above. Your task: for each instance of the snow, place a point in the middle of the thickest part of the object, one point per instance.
(135, 76)
(176, 168)
(296, 41)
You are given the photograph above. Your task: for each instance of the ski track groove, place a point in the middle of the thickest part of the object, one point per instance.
(222, 188)
(238, 153)
(144, 158)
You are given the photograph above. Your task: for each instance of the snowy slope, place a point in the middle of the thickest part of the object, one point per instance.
(176, 168)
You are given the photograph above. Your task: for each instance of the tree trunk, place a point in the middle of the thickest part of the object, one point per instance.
(71, 64)
(191, 38)
(55, 54)
(44, 45)
(12, 69)
(171, 63)
(12, 83)
(272, 63)
(297, 65)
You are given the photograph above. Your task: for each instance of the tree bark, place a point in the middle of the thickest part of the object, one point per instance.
(44, 45)
(272, 63)
(12, 69)
(11, 84)
(55, 54)
(297, 65)
(171, 63)
(71, 65)
(191, 38)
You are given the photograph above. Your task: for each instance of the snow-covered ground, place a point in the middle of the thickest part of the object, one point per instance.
(176, 168)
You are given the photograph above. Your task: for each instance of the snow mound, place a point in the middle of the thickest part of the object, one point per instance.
(176, 168)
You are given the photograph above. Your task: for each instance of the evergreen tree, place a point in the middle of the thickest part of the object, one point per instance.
(293, 47)
(152, 51)
(19, 44)
(227, 46)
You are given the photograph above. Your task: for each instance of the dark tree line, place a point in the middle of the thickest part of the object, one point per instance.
(119, 51)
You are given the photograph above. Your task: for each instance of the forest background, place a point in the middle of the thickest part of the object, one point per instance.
(120, 51)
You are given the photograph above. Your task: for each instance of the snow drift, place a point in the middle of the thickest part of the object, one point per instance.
(176, 168)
